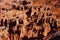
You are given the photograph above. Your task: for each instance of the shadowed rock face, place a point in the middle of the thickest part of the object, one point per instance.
(55, 38)
(29, 20)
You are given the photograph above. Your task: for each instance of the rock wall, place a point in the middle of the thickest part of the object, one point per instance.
(29, 19)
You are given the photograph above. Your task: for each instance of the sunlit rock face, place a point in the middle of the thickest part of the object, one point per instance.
(29, 20)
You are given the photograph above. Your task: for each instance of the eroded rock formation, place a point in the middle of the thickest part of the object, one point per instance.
(29, 19)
